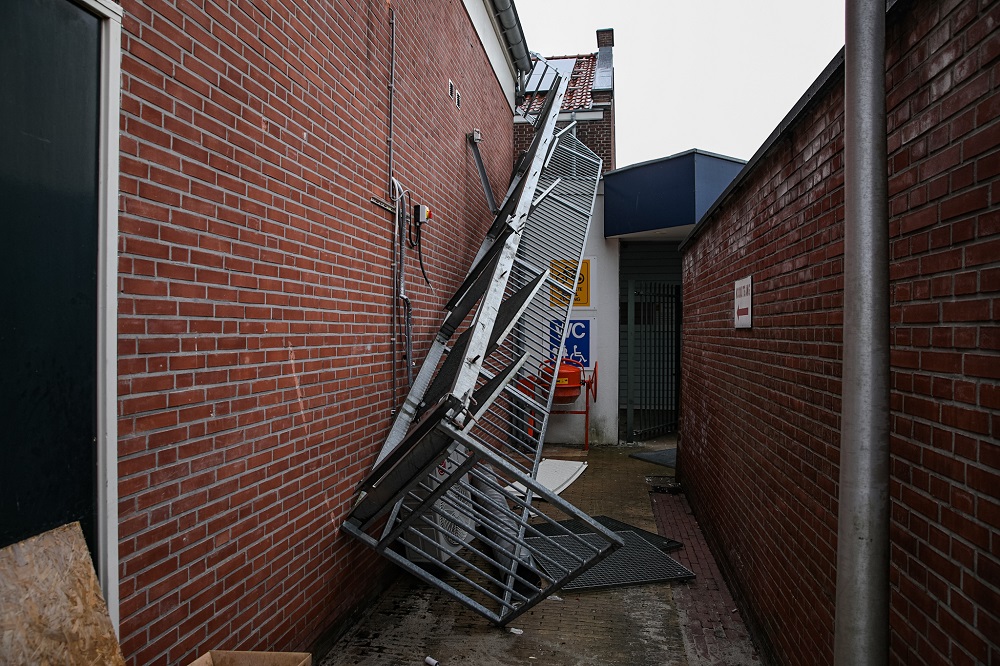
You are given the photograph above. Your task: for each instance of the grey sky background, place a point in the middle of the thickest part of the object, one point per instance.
(718, 75)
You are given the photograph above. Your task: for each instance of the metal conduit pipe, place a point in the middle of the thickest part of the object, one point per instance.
(401, 202)
(392, 95)
(861, 634)
(390, 191)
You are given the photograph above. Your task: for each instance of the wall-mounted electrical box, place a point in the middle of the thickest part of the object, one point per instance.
(421, 214)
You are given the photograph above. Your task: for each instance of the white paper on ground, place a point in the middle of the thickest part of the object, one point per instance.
(556, 475)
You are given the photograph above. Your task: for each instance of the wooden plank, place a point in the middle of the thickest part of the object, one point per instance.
(51, 607)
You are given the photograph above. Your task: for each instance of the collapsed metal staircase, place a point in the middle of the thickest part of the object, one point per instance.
(452, 496)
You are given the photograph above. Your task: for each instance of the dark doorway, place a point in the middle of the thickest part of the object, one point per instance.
(49, 160)
(649, 337)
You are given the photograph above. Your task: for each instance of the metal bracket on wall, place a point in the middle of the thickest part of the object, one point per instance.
(454, 485)
(474, 137)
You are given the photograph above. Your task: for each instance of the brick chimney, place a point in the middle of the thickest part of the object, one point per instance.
(605, 37)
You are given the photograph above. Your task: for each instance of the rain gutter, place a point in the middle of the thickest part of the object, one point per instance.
(513, 36)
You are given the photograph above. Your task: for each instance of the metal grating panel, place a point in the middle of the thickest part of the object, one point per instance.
(638, 562)
(473, 423)
(665, 544)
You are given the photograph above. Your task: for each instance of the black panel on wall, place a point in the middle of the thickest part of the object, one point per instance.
(650, 260)
(49, 104)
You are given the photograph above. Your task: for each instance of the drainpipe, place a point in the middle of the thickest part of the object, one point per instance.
(862, 611)
(513, 34)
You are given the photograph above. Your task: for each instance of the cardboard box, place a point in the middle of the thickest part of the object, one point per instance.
(227, 658)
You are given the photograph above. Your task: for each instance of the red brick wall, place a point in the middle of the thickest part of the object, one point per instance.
(760, 407)
(598, 135)
(254, 351)
(522, 136)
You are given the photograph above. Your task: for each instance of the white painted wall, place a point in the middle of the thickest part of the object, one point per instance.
(481, 14)
(603, 313)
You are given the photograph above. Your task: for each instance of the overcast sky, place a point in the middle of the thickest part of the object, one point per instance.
(718, 75)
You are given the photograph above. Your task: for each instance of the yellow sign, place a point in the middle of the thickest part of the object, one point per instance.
(562, 271)
(582, 299)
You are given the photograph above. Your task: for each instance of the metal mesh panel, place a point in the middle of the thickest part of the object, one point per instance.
(638, 562)
(441, 500)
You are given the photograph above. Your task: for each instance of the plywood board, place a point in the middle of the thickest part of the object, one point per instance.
(52, 611)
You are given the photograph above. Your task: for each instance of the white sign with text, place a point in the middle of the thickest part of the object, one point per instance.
(743, 303)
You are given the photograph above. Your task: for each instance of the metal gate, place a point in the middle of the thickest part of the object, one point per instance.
(652, 319)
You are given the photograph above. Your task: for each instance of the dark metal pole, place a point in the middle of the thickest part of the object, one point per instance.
(474, 137)
(630, 368)
(862, 612)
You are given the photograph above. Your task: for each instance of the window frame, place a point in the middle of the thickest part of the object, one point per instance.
(110, 16)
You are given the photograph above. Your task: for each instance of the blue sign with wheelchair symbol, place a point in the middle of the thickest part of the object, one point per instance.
(577, 343)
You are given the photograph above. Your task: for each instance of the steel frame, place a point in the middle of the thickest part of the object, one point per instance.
(441, 500)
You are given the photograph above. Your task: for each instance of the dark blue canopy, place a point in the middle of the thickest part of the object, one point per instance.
(669, 192)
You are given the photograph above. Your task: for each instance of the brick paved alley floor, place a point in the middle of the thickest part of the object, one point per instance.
(714, 632)
(673, 624)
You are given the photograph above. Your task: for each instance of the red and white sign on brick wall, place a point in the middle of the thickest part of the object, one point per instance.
(742, 303)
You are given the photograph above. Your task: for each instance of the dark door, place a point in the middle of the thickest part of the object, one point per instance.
(49, 105)
(649, 339)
